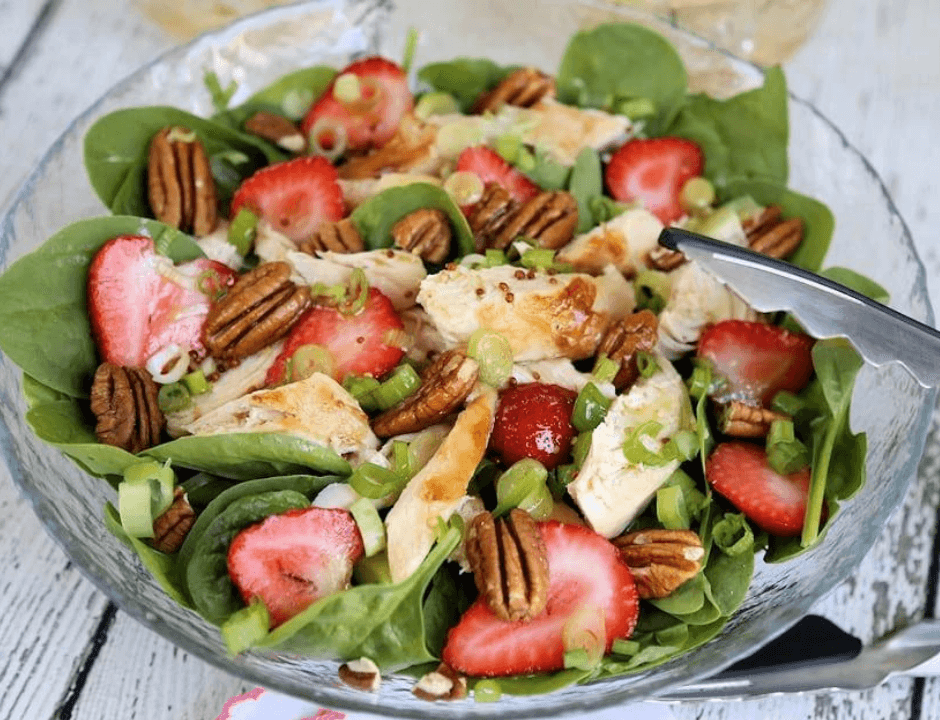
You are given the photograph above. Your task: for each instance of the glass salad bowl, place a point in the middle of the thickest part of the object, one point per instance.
(870, 238)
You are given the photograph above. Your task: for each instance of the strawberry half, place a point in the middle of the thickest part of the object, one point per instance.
(757, 360)
(534, 421)
(487, 164)
(293, 196)
(290, 561)
(654, 170)
(776, 503)
(357, 343)
(369, 120)
(138, 302)
(585, 572)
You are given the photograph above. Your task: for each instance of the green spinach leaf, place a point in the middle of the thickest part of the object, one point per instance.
(586, 182)
(290, 96)
(464, 78)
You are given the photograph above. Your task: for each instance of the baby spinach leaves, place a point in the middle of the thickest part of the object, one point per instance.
(464, 78)
(290, 96)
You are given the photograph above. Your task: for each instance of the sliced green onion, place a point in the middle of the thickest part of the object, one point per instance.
(605, 369)
(509, 147)
(647, 364)
(525, 160)
(745, 207)
(590, 408)
(423, 447)
(671, 510)
(327, 138)
(697, 195)
(435, 103)
(788, 403)
(522, 479)
(375, 482)
(464, 188)
(357, 293)
(560, 478)
(211, 284)
(403, 381)
(373, 570)
(652, 289)
(308, 360)
(538, 258)
(162, 480)
(487, 691)
(493, 354)
(636, 452)
(539, 503)
(785, 454)
(636, 108)
(361, 387)
(370, 525)
(135, 500)
(495, 258)
(401, 459)
(411, 46)
(580, 448)
(196, 382)
(241, 233)
(173, 397)
(625, 647)
(733, 535)
(584, 637)
(245, 628)
(686, 444)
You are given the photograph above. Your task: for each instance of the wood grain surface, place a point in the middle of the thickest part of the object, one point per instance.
(66, 652)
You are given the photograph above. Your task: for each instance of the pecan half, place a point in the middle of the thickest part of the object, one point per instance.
(509, 563)
(411, 146)
(340, 236)
(661, 560)
(663, 259)
(771, 235)
(277, 129)
(550, 218)
(257, 311)
(171, 527)
(361, 674)
(490, 215)
(124, 401)
(445, 683)
(425, 232)
(523, 88)
(180, 186)
(739, 419)
(624, 339)
(445, 384)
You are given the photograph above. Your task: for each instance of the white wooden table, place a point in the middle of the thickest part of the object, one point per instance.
(66, 652)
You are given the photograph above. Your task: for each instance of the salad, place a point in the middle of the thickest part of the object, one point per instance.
(402, 378)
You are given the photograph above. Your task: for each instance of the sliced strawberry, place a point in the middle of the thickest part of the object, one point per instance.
(358, 343)
(654, 170)
(757, 360)
(534, 421)
(290, 561)
(776, 503)
(293, 196)
(487, 164)
(586, 573)
(372, 119)
(138, 302)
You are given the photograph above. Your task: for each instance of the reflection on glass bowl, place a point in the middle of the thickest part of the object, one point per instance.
(870, 238)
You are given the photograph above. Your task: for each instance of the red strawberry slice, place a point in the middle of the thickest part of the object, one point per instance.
(290, 561)
(293, 196)
(139, 303)
(654, 170)
(358, 343)
(776, 503)
(534, 421)
(372, 119)
(758, 360)
(487, 164)
(585, 571)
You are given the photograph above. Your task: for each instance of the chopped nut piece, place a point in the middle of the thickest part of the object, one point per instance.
(624, 339)
(523, 88)
(491, 214)
(739, 419)
(278, 129)
(171, 527)
(361, 674)
(410, 149)
(124, 401)
(445, 384)
(664, 259)
(340, 236)
(770, 235)
(510, 564)
(180, 186)
(258, 310)
(661, 560)
(441, 684)
(550, 218)
(425, 233)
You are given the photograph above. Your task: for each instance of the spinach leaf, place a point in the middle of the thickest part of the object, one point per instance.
(213, 594)
(376, 216)
(859, 283)
(117, 145)
(464, 78)
(744, 136)
(686, 599)
(382, 622)
(46, 332)
(729, 577)
(246, 456)
(290, 96)
(613, 63)
(818, 222)
(541, 684)
(447, 599)
(586, 182)
(161, 566)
